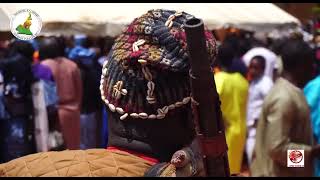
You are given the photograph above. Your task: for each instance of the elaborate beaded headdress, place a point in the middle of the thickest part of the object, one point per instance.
(146, 72)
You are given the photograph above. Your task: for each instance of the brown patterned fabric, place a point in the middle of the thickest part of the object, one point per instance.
(80, 163)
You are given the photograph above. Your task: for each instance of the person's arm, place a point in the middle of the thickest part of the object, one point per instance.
(281, 116)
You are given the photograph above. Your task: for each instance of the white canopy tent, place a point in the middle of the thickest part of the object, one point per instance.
(4, 21)
(111, 18)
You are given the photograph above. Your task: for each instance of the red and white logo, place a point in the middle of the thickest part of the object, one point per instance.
(295, 158)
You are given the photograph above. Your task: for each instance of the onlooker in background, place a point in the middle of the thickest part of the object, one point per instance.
(105, 48)
(285, 122)
(240, 45)
(233, 90)
(86, 58)
(258, 89)
(312, 93)
(17, 120)
(3, 48)
(317, 52)
(69, 44)
(69, 87)
(45, 100)
(268, 55)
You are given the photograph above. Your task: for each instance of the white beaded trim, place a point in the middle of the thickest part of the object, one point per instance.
(161, 112)
(118, 91)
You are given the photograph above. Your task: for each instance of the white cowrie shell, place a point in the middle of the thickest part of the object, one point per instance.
(171, 17)
(160, 111)
(120, 83)
(186, 100)
(178, 104)
(170, 24)
(124, 91)
(151, 100)
(165, 61)
(152, 116)
(147, 30)
(167, 23)
(118, 95)
(134, 115)
(150, 85)
(135, 48)
(112, 107)
(171, 106)
(143, 115)
(119, 110)
(124, 116)
(148, 77)
(106, 101)
(142, 61)
(148, 72)
(179, 13)
(101, 81)
(101, 87)
(165, 109)
(105, 63)
(103, 97)
(140, 42)
(160, 116)
(104, 71)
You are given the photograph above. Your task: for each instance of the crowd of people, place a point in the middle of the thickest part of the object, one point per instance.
(269, 99)
(50, 97)
(269, 92)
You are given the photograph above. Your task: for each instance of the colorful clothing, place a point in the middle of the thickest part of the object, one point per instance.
(41, 71)
(69, 87)
(233, 91)
(312, 93)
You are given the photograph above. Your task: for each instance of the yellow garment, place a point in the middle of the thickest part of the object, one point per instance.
(233, 91)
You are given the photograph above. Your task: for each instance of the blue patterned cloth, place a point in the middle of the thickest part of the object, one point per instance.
(50, 92)
(312, 93)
